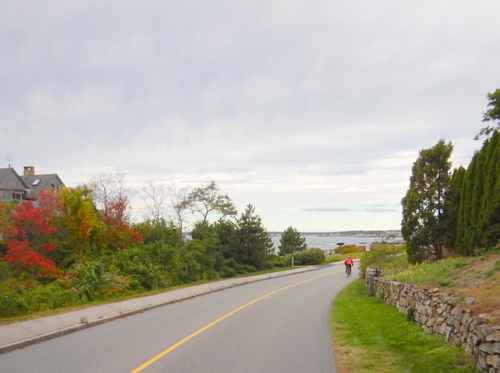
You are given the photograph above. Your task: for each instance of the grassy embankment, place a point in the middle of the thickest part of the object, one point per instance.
(370, 336)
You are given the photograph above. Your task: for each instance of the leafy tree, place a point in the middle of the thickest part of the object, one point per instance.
(203, 231)
(180, 203)
(207, 199)
(30, 235)
(158, 230)
(254, 244)
(423, 224)
(291, 241)
(79, 213)
(112, 199)
(491, 115)
(78, 223)
(111, 196)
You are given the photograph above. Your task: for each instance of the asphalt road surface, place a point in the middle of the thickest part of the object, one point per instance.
(277, 325)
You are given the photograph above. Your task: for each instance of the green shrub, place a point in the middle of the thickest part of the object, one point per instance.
(148, 266)
(11, 303)
(245, 268)
(231, 268)
(6, 272)
(49, 297)
(227, 272)
(380, 255)
(26, 297)
(307, 257)
(93, 281)
(276, 261)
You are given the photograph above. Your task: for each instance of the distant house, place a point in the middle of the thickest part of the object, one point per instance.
(11, 185)
(27, 186)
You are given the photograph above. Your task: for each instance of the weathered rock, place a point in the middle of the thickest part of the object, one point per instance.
(493, 361)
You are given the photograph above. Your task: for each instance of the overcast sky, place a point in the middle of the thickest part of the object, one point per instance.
(312, 111)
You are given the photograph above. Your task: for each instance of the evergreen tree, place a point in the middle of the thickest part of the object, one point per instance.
(490, 204)
(479, 212)
(254, 244)
(452, 207)
(291, 241)
(227, 238)
(423, 223)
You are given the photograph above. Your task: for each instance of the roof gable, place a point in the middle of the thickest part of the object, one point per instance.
(36, 183)
(10, 180)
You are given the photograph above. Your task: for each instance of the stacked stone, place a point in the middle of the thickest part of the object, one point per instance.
(442, 315)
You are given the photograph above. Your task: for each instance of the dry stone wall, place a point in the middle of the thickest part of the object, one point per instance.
(444, 316)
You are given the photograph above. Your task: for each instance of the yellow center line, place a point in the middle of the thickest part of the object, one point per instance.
(191, 336)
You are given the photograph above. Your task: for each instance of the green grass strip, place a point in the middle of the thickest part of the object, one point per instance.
(370, 336)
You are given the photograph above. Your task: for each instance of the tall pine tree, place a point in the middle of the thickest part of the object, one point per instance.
(452, 207)
(254, 244)
(479, 210)
(291, 241)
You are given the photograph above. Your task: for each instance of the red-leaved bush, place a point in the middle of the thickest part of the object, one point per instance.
(27, 236)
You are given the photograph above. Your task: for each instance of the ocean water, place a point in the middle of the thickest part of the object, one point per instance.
(330, 242)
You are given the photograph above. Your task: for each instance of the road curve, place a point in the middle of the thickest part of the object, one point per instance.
(277, 325)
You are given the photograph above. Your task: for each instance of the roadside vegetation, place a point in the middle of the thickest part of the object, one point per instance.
(438, 271)
(370, 336)
(451, 228)
(79, 247)
(455, 210)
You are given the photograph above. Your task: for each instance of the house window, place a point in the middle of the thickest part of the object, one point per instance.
(16, 196)
(55, 188)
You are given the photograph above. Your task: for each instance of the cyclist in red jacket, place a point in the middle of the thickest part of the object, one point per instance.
(348, 265)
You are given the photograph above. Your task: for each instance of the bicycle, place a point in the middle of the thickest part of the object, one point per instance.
(348, 268)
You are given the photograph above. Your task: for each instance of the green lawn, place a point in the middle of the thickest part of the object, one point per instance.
(370, 336)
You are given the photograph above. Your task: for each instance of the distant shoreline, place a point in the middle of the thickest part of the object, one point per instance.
(358, 233)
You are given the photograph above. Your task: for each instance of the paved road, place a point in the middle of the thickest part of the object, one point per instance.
(276, 325)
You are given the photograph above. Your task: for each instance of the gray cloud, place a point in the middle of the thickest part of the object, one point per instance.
(286, 106)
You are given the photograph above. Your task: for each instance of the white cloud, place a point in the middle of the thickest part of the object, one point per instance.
(298, 108)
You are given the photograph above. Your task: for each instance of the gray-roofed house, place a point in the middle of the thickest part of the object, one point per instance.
(27, 186)
(37, 183)
(11, 185)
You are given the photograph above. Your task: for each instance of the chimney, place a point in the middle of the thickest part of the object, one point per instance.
(29, 170)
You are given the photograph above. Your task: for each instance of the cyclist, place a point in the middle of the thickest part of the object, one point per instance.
(348, 265)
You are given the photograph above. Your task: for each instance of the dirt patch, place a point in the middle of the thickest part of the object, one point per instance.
(478, 286)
